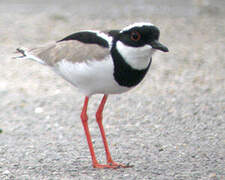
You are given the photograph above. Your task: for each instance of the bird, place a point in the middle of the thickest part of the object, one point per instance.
(101, 62)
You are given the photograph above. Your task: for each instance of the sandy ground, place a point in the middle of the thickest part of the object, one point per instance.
(171, 126)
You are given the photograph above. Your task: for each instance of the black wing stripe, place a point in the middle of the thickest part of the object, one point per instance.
(87, 37)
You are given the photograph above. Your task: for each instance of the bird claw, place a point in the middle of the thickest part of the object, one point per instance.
(112, 165)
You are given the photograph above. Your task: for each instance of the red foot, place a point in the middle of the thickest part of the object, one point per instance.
(112, 165)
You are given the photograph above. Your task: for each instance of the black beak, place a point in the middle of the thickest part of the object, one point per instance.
(157, 45)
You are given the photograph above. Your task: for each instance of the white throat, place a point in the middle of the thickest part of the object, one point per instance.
(136, 57)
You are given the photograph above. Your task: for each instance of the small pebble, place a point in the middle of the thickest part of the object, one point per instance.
(38, 110)
(6, 172)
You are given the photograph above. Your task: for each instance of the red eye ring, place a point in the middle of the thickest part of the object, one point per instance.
(135, 36)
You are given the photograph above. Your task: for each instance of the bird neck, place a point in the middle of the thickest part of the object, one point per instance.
(125, 74)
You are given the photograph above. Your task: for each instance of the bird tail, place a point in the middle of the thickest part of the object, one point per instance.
(22, 52)
(27, 54)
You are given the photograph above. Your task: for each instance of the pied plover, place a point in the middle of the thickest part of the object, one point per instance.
(101, 62)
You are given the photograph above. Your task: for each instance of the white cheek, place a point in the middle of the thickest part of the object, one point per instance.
(136, 57)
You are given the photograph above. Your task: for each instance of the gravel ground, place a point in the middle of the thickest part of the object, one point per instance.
(171, 127)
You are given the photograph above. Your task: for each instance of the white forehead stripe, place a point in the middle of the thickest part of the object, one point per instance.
(140, 24)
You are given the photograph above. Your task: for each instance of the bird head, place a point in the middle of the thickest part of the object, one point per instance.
(137, 43)
(141, 34)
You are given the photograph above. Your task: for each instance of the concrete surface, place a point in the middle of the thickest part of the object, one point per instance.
(170, 127)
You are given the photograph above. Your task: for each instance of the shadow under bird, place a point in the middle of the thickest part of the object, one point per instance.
(101, 62)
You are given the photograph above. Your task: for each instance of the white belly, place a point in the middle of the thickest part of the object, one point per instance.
(91, 77)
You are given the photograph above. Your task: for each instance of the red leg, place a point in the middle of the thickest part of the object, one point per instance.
(110, 162)
(84, 119)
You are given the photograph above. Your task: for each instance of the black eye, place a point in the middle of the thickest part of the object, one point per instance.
(135, 36)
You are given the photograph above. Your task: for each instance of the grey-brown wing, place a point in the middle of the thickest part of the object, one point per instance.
(74, 51)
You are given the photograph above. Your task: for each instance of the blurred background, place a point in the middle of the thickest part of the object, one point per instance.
(170, 127)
